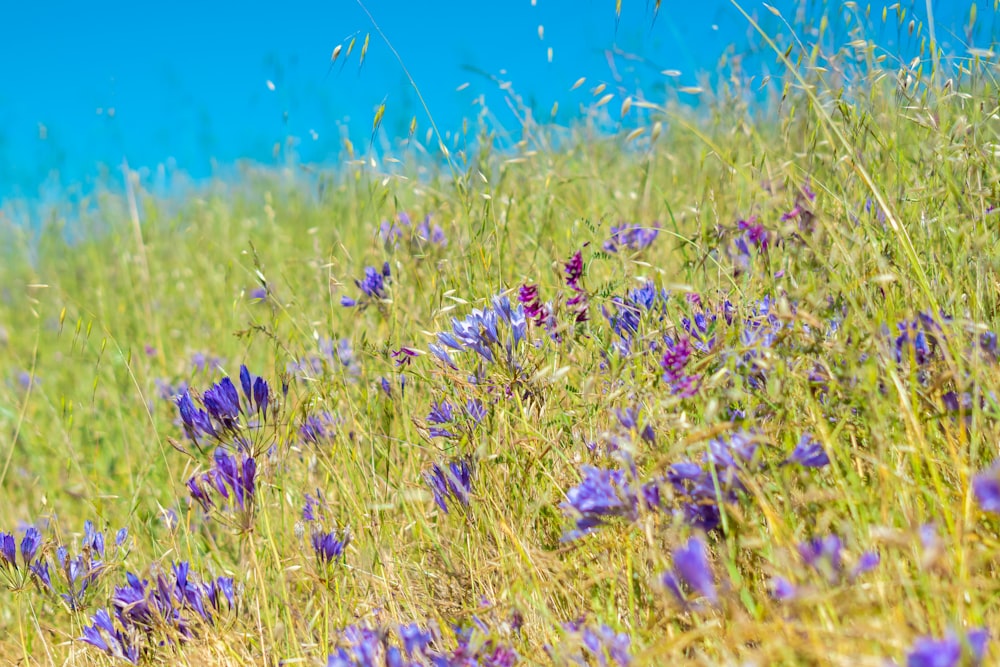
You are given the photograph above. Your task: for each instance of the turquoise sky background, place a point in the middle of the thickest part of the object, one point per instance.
(188, 80)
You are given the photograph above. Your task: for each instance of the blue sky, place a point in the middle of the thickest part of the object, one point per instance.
(188, 80)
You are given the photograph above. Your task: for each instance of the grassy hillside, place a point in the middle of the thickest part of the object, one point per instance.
(722, 391)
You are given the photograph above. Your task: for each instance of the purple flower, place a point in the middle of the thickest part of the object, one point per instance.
(604, 494)
(574, 272)
(675, 360)
(868, 561)
(692, 572)
(317, 428)
(823, 554)
(782, 589)
(475, 409)
(986, 488)
(451, 481)
(311, 510)
(441, 413)
(632, 236)
(415, 639)
(373, 286)
(328, 547)
(809, 453)
(104, 636)
(947, 652)
(404, 355)
(233, 478)
(605, 645)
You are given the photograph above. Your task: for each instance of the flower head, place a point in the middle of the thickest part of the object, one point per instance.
(453, 480)
(986, 488)
(948, 651)
(809, 453)
(691, 572)
(329, 547)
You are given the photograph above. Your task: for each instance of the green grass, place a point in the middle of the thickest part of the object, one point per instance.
(98, 320)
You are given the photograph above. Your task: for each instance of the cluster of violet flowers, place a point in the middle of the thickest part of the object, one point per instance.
(373, 286)
(329, 545)
(579, 303)
(586, 644)
(824, 556)
(493, 333)
(446, 421)
(701, 488)
(142, 611)
(604, 494)
(450, 482)
(632, 236)
(332, 357)
(752, 233)
(544, 314)
(70, 575)
(421, 646)
(417, 238)
(229, 485)
(224, 418)
(691, 581)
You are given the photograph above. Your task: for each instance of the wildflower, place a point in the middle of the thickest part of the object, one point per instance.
(947, 652)
(754, 232)
(629, 419)
(224, 414)
(782, 589)
(604, 494)
(313, 507)
(435, 234)
(232, 478)
(574, 272)
(441, 354)
(691, 572)
(328, 547)
(702, 487)
(106, 637)
(451, 481)
(808, 453)
(404, 355)
(317, 428)
(602, 643)
(441, 413)
(825, 555)
(632, 236)
(373, 287)
(675, 359)
(415, 639)
(986, 488)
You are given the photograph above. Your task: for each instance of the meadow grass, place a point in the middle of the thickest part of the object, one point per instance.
(785, 365)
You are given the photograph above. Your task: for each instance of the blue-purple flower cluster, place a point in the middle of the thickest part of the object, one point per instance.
(631, 236)
(691, 578)
(224, 417)
(451, 481)
(70, 576)
(333, 358)
(493, 333)
(585, 644)
(373, 286)
(825, 557)
(170, 607)
(445, 423)
(604, 494)
(230, 484)
(475, 645)
(417, 238)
